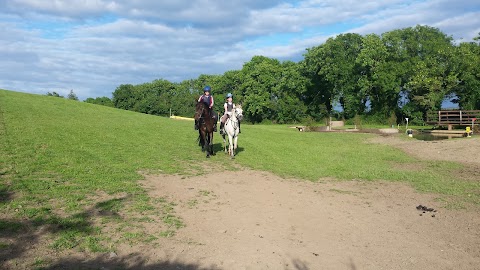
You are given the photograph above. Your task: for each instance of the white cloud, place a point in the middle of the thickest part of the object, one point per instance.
(93, 46)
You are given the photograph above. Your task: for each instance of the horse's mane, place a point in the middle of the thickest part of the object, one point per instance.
(200, 104)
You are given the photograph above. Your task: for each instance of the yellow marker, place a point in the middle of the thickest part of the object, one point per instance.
(467, 130)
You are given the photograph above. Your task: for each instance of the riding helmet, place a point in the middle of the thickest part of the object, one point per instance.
(229, 95)
(207, 89)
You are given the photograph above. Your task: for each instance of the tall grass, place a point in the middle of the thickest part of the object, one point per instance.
(59, 154)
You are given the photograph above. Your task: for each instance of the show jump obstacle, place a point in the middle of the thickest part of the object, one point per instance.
(455, 118)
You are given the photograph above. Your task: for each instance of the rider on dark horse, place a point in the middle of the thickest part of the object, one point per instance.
(208, 100)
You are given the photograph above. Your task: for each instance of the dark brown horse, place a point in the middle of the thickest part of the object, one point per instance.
(206, 123)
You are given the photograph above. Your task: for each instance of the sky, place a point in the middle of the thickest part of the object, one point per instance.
(93, 46)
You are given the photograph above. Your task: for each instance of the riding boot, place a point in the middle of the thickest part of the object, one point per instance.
(222, 126)
(196, 124)
(215, 127)
(239, 129)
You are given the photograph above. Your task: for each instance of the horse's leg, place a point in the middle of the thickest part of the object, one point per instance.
(235, 143)
(224, 144)
(202, 140)
(211, 144)
(230, 145)
(207, 149)
(225, 127)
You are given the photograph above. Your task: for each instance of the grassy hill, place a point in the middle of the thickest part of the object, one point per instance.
(60, 158)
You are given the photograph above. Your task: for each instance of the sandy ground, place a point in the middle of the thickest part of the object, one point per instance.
(464, 150)
(256, 220)
(252, 220)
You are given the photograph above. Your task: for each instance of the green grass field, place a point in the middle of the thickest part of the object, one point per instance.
(63, 160)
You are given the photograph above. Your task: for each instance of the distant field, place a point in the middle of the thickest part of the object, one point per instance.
(59, 158)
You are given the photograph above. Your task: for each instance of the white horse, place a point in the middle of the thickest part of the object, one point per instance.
(232, 129)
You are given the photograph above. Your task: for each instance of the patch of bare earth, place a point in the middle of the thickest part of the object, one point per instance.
(464, 150)
(253, 220)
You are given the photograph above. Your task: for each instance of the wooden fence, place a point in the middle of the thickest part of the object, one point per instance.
(455, 118)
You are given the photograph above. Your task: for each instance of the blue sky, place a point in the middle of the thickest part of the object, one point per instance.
(93, 46)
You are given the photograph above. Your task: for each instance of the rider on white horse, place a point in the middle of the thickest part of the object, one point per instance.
(228, 106)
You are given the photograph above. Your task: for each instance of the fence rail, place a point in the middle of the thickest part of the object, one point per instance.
(455, 118)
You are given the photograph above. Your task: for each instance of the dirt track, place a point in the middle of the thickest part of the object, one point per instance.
(464, 150)
(257, 221)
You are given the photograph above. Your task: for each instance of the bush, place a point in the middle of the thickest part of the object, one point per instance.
(392, 120)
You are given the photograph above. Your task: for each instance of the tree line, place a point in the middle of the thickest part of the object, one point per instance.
(402, 73)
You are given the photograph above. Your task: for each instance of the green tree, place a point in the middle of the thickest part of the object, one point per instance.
(72, 95)
(124, 97)
(319, 92)
(468, 66)
(183, 99)
(54, 94)
(260, 77)
(291, 88)
(229, 82)
(377, 80)
(337, 65)
(271, 90)
(105, 101)
(422, 58)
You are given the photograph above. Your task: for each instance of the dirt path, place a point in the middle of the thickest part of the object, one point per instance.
(464, 150)
(252, 220)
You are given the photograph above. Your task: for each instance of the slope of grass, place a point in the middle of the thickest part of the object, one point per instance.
(87, 146)
(63, 160)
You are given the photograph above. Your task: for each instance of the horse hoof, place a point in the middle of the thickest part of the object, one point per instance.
(208, 156)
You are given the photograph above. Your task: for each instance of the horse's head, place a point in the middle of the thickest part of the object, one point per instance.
(239, 112)
(199, 106)
(199, 109)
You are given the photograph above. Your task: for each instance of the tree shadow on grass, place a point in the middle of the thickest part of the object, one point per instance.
(15, 238)
(19, 235)
(218, 148)
(5, 194)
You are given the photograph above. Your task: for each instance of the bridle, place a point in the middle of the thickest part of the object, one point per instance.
(201, 113)
(234, 122)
